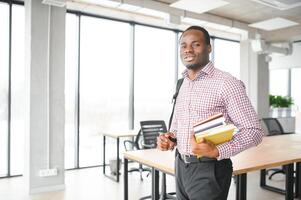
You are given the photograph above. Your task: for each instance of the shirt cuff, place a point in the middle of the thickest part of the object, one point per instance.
(224, 151)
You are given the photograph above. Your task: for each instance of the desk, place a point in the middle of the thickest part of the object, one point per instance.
(273, 151)
(116, 135)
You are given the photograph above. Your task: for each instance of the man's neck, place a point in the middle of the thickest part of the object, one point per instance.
(193, 73)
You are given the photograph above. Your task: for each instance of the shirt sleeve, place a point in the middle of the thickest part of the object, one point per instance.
(242, 114)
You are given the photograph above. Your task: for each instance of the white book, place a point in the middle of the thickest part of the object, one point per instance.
(211, 124)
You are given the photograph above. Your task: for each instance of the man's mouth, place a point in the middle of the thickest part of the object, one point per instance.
(189, 58)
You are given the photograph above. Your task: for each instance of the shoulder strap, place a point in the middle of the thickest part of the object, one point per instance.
(174, 98)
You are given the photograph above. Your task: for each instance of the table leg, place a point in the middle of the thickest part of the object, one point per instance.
(125, 175)
(241, 187)
(262, 178)
(155, 184)
(298, 180)
(289, 181)
(104, 155)
(117, 175)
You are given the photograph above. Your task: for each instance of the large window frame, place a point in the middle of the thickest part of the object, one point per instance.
(10, 3)
(78, 14)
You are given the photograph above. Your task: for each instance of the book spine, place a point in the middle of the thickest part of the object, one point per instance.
(198, 130)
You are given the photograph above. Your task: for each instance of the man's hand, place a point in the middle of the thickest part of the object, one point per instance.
(164, 143)
(203, 148)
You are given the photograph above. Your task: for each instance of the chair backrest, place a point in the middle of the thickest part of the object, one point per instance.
(273, 126)
(150, 131)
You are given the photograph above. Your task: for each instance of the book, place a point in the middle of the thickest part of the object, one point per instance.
(210, 124)
(217, 135)
(213, 117)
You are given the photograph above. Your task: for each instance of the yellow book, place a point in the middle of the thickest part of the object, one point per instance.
(217, 135)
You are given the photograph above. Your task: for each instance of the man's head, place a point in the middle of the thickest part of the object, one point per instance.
(195, 47)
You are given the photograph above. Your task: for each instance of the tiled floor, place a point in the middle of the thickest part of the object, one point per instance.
(90, 184)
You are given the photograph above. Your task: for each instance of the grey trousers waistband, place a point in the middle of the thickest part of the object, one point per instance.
(193, 159)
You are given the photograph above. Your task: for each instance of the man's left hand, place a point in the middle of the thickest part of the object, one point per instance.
(203, 148)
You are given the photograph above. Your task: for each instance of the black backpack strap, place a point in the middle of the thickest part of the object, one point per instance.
(174, 99)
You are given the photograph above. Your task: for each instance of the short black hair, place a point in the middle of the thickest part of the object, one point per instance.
(203, 30)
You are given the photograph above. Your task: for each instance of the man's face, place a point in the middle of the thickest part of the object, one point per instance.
(194, 51)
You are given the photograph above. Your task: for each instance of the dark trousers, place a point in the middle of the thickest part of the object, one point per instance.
(203, 180)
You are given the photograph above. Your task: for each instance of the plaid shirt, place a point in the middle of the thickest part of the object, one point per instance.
(215, 91)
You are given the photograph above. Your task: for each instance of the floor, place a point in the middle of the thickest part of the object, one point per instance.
(90, 184)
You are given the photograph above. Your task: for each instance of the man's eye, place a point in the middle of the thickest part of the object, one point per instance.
(196, 44)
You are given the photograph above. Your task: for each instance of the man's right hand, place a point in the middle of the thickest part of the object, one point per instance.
(164, 143)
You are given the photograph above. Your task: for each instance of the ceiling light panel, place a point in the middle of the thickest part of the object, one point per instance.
(273, 24)
(198, 6)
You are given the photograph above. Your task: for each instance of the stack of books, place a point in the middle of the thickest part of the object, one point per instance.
(214, 129)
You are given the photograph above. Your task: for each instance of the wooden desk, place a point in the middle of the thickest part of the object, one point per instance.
(273, 151)
(116, 135)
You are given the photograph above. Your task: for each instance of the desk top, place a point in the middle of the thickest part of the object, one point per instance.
(118, 134)
(273, 151)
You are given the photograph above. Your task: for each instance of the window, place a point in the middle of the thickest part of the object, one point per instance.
(227, 56)
(17, 90)
(295, 87)
(4, 54)
(104, 84)
(71, 66)
(279, 82)
(154, 73)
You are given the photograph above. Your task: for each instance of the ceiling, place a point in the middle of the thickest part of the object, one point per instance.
(248, 11)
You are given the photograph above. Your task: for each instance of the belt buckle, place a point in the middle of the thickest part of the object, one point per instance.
(184, 159)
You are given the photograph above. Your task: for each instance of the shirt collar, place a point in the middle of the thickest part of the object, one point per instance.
(208, 69)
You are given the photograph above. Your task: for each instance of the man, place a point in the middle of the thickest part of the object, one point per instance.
(206, 91)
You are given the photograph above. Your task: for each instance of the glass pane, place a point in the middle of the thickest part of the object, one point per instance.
(227, 56)
(181, 67)
(295, 87)
(154, 73)
(4, 35)
(17, 90)
(104, 84)
(279, 82)
(70, 89)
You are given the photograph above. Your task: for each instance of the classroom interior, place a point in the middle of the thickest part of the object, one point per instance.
(75, 71)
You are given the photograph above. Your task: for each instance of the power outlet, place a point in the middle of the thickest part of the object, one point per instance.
(48, 172)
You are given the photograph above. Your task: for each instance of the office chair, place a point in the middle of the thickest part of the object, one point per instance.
(150, 131)
(274, 128)
(130, 145)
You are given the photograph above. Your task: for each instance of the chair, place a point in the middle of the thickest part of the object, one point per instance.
(130, 145)
(150, 131)
(274, 128)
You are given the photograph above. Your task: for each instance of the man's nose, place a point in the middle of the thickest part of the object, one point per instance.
(188, 49)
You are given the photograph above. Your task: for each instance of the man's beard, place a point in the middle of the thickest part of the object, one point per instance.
(193, 67)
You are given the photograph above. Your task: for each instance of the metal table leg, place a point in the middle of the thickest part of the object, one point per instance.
(289, 181)
(125, 175)
(155, 184)
(104, 155)
(241, 187)
(117, 175)
(298, 180)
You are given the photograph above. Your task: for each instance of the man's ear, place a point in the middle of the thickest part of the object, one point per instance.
(209, 48)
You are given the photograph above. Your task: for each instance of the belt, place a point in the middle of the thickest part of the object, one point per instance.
(193, 159)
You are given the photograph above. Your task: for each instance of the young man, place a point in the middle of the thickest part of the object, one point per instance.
(206, 91)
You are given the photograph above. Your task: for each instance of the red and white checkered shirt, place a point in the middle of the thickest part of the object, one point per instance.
(215, 91)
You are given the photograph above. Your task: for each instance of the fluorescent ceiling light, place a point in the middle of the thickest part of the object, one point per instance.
(193, 21)
(151, 12)
(273, 24)
(280, 4)
(198, 6)
(128, 7)
(106, 3)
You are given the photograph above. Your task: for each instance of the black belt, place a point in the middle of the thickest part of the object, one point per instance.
(193, 159)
